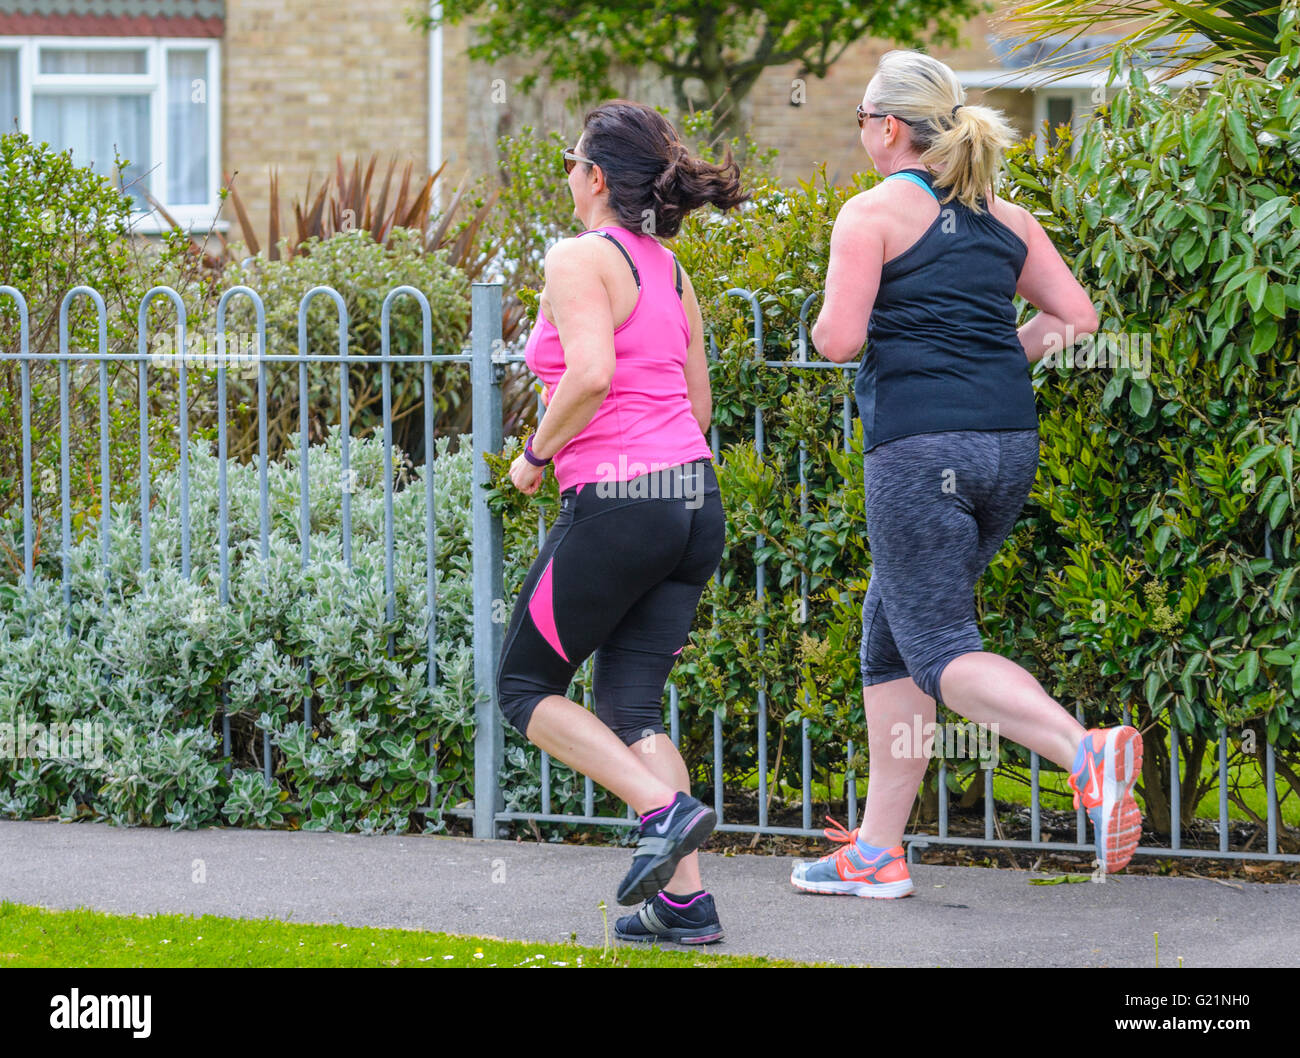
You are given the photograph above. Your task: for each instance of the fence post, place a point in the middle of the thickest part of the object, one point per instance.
(489, 740)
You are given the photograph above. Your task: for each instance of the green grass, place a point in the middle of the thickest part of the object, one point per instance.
(1250, 788)
(36, 936)
(1056, 794)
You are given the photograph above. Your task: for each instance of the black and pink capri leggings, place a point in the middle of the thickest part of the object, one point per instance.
(620, 575)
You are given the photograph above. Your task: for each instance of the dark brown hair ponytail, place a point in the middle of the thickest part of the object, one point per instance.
(653, 180)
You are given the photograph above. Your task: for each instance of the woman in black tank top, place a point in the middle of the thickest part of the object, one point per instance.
(924, 268)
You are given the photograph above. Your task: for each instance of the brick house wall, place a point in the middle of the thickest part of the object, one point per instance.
(306, 80)
(821, 129)
(302, 81)
(354, 79)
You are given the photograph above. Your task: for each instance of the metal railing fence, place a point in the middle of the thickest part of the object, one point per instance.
(487, 362)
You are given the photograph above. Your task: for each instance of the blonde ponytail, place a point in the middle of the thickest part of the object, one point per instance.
(963, 143)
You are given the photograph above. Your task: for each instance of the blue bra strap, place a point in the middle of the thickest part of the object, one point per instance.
(915, 179)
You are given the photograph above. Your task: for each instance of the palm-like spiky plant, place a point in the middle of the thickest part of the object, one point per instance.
(1181, 36)
(347, 202)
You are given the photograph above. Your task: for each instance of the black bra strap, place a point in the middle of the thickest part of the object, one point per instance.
(677, 267)
(627, 256)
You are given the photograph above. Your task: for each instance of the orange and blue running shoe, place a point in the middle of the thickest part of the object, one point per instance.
(847, 871)
(1108, 763)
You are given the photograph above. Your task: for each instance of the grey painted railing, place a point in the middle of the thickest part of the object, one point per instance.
(487, 362)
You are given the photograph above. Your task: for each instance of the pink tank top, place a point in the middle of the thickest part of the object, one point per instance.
(645, 423)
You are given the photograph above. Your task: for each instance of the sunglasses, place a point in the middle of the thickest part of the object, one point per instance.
(570, 158)
(863, 115)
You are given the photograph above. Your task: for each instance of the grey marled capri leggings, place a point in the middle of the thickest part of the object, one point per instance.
(939, 505)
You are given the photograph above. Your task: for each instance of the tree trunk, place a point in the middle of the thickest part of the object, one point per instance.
(1157, 790)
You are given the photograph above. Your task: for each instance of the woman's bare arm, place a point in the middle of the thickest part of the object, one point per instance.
(697, 362)
(580, 310)
(852, 281)
(1047, 283)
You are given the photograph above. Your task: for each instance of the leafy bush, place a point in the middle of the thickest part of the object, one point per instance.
(151, 655)
(1166, 515)
(1154, 565)
(61, 226)
(363, 271)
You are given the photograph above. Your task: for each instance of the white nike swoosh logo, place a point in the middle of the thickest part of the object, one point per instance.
(662, 828)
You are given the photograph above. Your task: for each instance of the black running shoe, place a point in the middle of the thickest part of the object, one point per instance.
(667, 835)
(663, 918)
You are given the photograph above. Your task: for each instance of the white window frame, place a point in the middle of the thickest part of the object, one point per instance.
(153, 83)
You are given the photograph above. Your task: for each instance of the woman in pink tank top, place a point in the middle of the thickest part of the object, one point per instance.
(619, 347)
(646, 421)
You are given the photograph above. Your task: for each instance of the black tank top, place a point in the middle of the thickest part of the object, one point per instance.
(942, 352)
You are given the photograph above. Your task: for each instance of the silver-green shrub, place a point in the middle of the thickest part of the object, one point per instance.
(153, 660)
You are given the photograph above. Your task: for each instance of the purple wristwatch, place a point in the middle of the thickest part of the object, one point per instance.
(528, 454)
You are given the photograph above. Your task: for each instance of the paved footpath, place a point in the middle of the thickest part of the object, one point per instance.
(958, 916)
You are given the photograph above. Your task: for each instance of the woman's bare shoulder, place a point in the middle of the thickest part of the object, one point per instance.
(1014, 216)
(568, 251)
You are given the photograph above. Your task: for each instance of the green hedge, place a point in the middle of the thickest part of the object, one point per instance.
(1165, 515)
(62, 226)
(363, 271)
(1140, 574)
